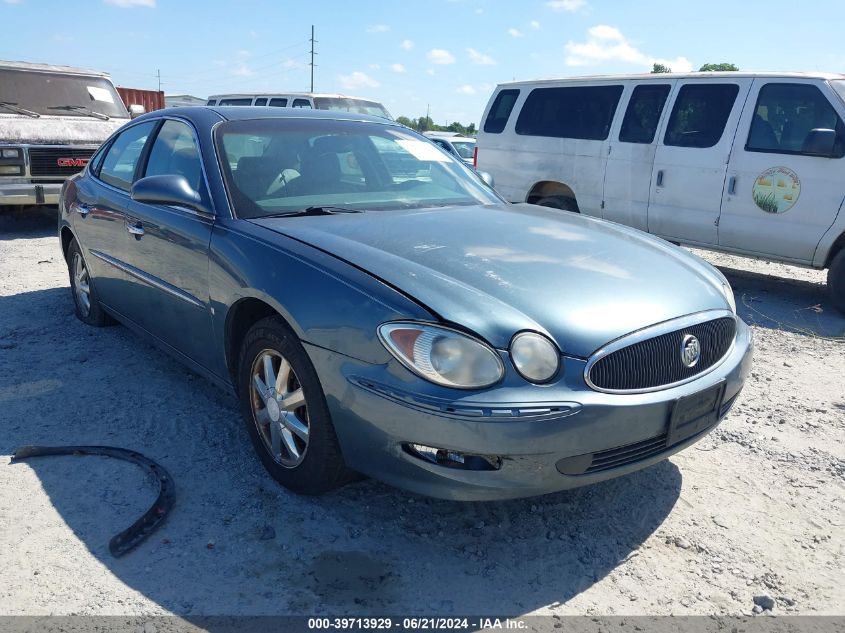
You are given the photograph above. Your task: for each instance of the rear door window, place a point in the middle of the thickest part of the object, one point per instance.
(643, 113)
(500, 111)
(581, 112)
(121, 159)
(700, 114)
(785, 115)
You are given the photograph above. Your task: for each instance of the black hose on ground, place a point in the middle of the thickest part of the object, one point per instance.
(136, 533)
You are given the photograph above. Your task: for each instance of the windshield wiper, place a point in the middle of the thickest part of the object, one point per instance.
(325, 210)
(14, 107)
(83, 110)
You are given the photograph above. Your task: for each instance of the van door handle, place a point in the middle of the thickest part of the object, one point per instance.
(732, 186)
(135, 229)
(659, 177)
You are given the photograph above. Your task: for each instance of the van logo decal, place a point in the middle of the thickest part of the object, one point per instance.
(72, 162)
(776, 190)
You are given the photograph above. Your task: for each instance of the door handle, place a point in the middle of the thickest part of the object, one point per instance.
(81, 209)
(732, 186)
(135, 229)
(659, 177)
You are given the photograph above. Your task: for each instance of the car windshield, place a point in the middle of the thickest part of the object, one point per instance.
(60, 94)
(839, 86)
(358, 106)
(464, 148)
(278, 166)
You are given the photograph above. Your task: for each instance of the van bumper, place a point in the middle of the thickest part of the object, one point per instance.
(23, 194)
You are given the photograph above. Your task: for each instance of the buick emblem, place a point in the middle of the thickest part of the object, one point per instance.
(690, 350)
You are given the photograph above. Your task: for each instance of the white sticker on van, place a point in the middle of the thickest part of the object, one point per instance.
(422, 150)
(100, 94)
(776, 190)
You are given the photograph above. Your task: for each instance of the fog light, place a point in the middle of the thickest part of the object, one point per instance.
(453, 459)
(11, 170)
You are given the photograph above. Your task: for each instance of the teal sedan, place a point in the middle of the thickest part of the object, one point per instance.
(379, 309)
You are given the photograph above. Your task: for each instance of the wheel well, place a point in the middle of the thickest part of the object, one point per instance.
(547, 188)
(242, 316)
(67, 236)
(837, 246)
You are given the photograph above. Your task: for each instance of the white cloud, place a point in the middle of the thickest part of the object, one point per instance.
(566, 5)
(440, 56)
(242, 70)
(515, 33)
(378, 28)
(407, 44)
(466, 89)
(357, 80)
(290, 64)
(606, 44)
(375, 67)
(430, 71)
(130, 4)
(535, 25)
(397, 68)
(479, 58)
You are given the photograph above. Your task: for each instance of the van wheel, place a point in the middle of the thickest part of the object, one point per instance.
(836, 281)
(558, 202)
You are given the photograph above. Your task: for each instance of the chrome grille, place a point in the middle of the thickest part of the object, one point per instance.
(43, 161)
(656, 361)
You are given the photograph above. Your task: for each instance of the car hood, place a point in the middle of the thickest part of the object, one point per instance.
(55, 130)
(500, 269)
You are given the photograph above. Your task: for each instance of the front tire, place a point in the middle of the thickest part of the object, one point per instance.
(86, 304)
(285, 411)
(836, 281)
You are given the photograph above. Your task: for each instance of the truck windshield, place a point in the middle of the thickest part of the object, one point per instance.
(358, 106)
(60, 94)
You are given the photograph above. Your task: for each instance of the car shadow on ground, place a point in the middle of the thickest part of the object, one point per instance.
(782, 303)
(28, 223)
(236, 542)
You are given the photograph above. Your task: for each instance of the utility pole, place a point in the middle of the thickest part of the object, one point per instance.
(426, 115)
(313, 41)
(158, 74)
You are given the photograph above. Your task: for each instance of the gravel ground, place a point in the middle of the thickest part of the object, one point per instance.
(754, 509)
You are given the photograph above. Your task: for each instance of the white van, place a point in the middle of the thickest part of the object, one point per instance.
(317, 101)
(52, 118)
(747, 163)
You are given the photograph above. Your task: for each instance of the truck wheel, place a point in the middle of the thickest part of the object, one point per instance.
(559, 202)
(285, 411)
(85, 302)
(836, 281)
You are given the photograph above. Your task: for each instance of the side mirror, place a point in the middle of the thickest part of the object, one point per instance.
(136, 110)
(487, 178)
(820, 142)
(167, 189)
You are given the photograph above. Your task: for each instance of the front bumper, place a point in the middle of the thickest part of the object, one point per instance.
(19, 194)
(376, 409)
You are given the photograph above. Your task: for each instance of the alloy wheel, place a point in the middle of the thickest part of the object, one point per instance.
(81, 285)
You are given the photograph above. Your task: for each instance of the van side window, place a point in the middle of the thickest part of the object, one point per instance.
(121, 160)
(278, 103)
(643, 113)
(500, 111)
(301, 103)
(577, 112)
(236, 102)
(700, 114)
(261, 101)
(211, 102)
(784, 116)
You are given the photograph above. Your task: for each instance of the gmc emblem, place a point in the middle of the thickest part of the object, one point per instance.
(72, 162)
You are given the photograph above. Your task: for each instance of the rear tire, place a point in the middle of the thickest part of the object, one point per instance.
(559, 202)
(85, 302)
(285, 411)
(836, 281)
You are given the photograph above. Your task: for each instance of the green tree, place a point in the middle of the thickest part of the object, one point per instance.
(403, 120)
(660, 68)
(722, 66)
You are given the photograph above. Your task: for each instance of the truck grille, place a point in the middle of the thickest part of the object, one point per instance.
(44, 161)
(656, 362)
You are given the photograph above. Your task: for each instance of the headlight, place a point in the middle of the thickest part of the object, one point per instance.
(535, 357)
(443, 356)
(729, 295)
(10, 152)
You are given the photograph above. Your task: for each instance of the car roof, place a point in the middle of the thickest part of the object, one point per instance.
(238, 113)
(725, 74)
(244, 95)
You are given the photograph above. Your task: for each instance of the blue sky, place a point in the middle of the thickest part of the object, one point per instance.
(445, 54)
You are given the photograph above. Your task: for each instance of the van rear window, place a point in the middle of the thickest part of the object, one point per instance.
(500, 111)
(700, 114)
(583, 112)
